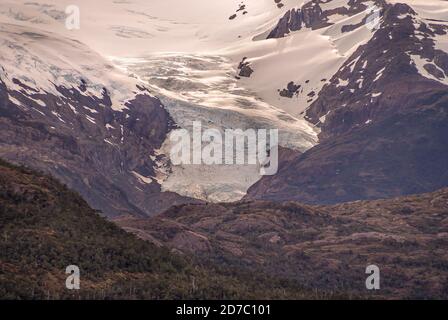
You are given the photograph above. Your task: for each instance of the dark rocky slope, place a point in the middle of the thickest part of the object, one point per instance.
(382, 78)
(384, 125)
(109, 156)
(45, 227)
(321, 246)
(405, 154)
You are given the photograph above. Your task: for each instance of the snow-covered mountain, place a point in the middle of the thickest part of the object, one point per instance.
(313, 69)
(67, 111)
(383, 117)
(180, 79)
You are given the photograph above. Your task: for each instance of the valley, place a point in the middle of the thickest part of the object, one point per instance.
(356, 89)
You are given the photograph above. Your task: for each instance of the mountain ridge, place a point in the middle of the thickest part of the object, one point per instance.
(382, 118)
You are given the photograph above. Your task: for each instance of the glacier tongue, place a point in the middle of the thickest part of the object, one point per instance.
(203, 88)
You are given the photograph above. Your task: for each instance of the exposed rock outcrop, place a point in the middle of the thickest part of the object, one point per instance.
(290, 90)
(244, 68)
(309, 16)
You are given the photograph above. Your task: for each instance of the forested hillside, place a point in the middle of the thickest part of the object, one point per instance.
(46, 227)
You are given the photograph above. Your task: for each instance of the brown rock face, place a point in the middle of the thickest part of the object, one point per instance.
(99, 157)
(322, 247)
